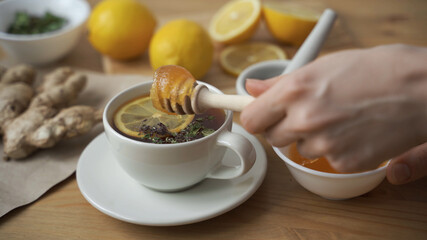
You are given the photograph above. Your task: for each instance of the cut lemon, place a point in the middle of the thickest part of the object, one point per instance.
(133, 115)
(288, 22)
(236, 21)
(234, 59)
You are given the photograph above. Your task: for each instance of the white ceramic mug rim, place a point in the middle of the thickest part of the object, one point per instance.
(228, 118)
(325, 174)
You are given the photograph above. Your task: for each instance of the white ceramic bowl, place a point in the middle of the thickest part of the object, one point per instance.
(40, 49)
(262, 71)
(331, 185)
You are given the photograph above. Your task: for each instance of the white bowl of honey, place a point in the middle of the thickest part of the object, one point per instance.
(318, 177)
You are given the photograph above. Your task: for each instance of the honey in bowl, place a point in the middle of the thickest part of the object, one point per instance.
(319, 164)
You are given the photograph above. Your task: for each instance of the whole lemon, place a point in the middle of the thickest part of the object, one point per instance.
(121, 29)
(184, 43)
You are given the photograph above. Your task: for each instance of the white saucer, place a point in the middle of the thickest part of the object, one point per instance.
(109, 189)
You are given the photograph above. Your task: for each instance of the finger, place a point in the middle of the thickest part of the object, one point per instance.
(256, 87)
(270, 107)
(263, 112)
(279, 135)
(350, 162)
(315, 146)
(409, 166)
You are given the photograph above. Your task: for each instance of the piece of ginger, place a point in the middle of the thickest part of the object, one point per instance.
(14, 100)
(20, 73)
(2, 70)
(14, 138)
(55, 78)
(62, 93)
(70, 122)
(38, 128)
(15, 92)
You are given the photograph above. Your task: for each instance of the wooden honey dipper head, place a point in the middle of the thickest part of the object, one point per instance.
(175, 90)
(172, 89)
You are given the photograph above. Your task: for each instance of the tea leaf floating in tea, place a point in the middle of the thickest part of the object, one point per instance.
(160, 134)
(175, 90)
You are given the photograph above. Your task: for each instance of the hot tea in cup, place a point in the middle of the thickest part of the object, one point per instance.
(139, 120)
(174, 165)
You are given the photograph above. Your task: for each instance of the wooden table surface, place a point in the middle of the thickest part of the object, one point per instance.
(280, 209)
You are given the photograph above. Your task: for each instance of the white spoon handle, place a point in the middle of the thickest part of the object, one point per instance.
(207, 99)
(313, 43)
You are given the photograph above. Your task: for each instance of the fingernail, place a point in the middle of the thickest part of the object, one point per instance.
(401, 172)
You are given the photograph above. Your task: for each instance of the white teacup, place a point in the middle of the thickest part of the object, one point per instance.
(177, 166)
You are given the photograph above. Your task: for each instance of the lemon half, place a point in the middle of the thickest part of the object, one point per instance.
(235, 58)
(289, 22)
(236, 21)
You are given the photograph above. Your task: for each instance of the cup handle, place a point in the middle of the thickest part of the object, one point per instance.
(244, 150)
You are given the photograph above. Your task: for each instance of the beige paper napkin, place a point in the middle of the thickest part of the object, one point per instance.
(24, 181)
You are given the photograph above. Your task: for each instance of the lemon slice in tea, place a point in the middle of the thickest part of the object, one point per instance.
(138, 112)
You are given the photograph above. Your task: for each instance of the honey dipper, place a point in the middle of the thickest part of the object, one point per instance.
(175, 90)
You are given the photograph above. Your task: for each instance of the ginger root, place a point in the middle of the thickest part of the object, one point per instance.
(21, 73)
(2, 71)
(14, 138)
(55, 78)
(68, 123)
(15, 92)
(60, 91)
(43, 123)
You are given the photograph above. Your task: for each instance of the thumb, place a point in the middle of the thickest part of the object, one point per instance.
(409, 166)
(256, 87)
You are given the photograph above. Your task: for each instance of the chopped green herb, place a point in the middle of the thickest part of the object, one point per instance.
(207, 131)
(27, 24)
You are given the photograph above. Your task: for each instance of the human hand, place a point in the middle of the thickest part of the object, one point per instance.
(358, 108)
